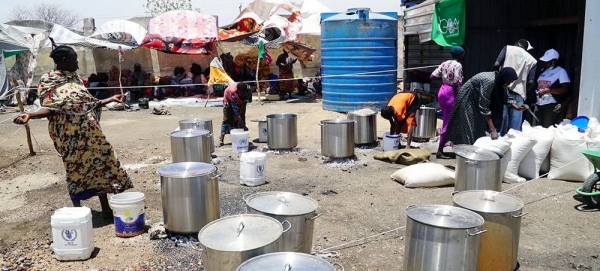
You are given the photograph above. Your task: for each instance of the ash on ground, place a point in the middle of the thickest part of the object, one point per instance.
(177, 252)
(343, 163)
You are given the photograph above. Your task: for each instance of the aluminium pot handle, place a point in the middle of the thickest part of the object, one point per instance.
(476, 233)
(454, 193)
(471, 162)
(287, 267)
(336, 264)
(314, 217)
(244, 197)
(290, 225)
(519, 215)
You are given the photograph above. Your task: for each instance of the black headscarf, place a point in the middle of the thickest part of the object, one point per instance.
(499, 96)
(61, 52)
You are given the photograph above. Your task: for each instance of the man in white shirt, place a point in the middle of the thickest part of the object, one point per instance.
(524, 64)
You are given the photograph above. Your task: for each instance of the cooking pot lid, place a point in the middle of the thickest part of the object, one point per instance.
(282, 116)
(474, 153)
(444, 216)
(363, 112)
(337, 121)
(488, 201)
(280, 260)
(187, 133)
(281, 203)
(186, 170)
(195, 120)
(240, 232)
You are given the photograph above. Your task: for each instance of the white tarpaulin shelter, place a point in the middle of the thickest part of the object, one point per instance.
(310, 14)
(261, 10)
(64, 36)
(122, 32)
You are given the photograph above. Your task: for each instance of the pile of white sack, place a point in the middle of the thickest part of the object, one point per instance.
(537, 150)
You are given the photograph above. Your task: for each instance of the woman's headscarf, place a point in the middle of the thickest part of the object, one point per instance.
(499, 96)
(456, 51)
(505, 75)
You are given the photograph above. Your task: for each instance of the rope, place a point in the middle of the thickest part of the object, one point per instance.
(10, 118)
(11, 135)
(361, 239)
(261, 81)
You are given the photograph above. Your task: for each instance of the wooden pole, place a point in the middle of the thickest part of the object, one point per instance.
(20, 103)
(257, 84)
(120, 84)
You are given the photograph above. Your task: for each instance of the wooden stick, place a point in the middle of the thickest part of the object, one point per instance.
(120, 84)
(31, 151)
(257, 85)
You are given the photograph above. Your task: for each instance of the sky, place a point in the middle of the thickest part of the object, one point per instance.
(106, 10)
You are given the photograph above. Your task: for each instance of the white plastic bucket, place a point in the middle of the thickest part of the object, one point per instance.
(252, 168)
(128, 211)
(262, 132)
(72, 233)
(239, 140)
(390, 142)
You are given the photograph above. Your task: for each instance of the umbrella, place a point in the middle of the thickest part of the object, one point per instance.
(122, 32)
(182, 32)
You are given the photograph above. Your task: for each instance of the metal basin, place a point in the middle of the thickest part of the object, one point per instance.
(190, 146)
(365, 128)
(337, 138)
(299, 210)
(200, 124)
(190, 196)
(282, 131)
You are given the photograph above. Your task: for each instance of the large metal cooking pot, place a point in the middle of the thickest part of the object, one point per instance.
(190, 196)
(441, 238)
(299, 210)
(502, 214)
(365, 128)
(282, 131)
(288, 261)
(190, 146)
(337, 138)
(477, 169)
(232, 240)
(199, 124)
(426, 118)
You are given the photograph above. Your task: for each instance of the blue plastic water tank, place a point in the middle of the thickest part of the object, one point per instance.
(359, 59)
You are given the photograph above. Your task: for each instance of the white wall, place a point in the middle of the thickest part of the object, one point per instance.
(589, 91)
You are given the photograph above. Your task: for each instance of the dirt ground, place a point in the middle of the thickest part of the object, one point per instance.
(554, 235)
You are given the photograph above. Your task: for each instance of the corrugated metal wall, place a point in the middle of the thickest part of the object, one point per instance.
(493, 24)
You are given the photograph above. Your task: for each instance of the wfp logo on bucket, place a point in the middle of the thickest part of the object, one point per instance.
(264, 131)
(69, 236)
(260, 169)
(396, 142)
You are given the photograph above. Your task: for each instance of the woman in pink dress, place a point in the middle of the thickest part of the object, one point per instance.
(451, 73)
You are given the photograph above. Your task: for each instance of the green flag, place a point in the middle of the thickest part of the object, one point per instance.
(262, 54)
(448, 24)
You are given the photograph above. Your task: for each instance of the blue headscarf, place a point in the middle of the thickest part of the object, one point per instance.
(456, 51)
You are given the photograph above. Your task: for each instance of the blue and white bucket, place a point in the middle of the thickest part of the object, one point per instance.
(129, 214)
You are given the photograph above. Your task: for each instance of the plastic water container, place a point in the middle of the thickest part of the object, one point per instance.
(239, 140)
(128, 212)
(252, 168)
(72, 233)
(390, 142)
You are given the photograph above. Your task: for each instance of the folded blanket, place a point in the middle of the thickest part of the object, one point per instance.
(404, 156)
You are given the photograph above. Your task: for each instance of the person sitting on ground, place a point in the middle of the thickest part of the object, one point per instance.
(180, 78)
(92, 168)
(400, 112)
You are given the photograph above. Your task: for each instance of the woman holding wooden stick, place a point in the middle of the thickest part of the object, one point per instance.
(91, 165)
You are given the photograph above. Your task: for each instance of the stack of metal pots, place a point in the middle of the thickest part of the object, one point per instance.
(232, 240)
(200, 124)
(477, 169)
(365, 127)
(282, 131)
(191, 145)
(337, 138)
(190, 196)
(298, 210)
(442, 237)
(502, 214)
